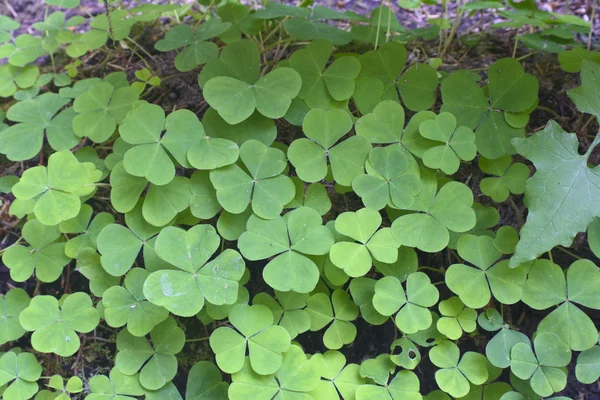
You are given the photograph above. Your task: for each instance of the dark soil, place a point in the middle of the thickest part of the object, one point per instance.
(180, 90)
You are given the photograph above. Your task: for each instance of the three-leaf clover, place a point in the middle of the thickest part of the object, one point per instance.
(563, 180)
(183, 290)
(338, 378)
(456, 372)
(546, 286)
(362, 226)
(35, 118)
(390, 180)
(156, 363)
(456, 318)
(100, 109)
(22, 371)
(149, 157)
(197, 50)
(117, 386)
(73, 386)
(296, 378)
(498, 348)
(87, 227)
(235, 98)
(413, 315)
(509, 177)
(44, 255)
(475, 286)
(542, 364)
(405, 385)
(337, 311)
(263, 184)
(254, 331)
(510, 89)
(126, 305)
(11, 305)
(448, 210)
(205, 381)
(288, 310)
(458, 143)
(13, 78)
(321, 86)
(290, 239)
(588, 365)
(324, 128)
(57, 189)
(54, 327)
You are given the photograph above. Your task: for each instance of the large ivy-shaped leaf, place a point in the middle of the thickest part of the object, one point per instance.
(254, 331)
(35, 118)
(196, 279)
(561, 196)
(290, 239)
(54, 327)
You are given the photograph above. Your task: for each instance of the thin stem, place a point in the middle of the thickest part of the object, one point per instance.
(212, 2)
(589, 43)
(569, 252)
(514, 54)
(197, 339)
(378, 29)
(455, 24)
(438, 270)
(275, 29)
(550, 256)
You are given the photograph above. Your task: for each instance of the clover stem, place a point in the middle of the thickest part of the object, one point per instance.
(204, 14)
(455, 24)
(378, 28)
(140, 56)
(589, 42)
(516, 210)
(550, 256)
(569, 252)
(438, 270)
(197, 339)
(276, 29)
(514, 54)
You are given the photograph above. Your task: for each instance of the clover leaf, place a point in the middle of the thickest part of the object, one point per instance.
(263, 185)
(242, 21)
(296, 377)
(126, 305)
(257, 127)
(288, 310)
(362, 226)
(205, 382)
(362, 290)
(22, 372)
(490, 320)
(236, 100)
(239, 60)
(381, 78)
(405, 385)
(413, 315)
(73, 386)
(11, 305)
(116, 386)
(184, 290)
(574, 183)
(456, 318)
(337, 311)
(203, 203)
(473, 285)
(498, 348)
(324, 128)
(301, 233)
(13, 78)
(25, 49)
(456, 372)
(35, 118)
(255, 331)
(321, 86)
(458, 143)
(44, 255)
(542, 364)
(448, 210)
(7, 25)
(120, 246)
(313, 195)
(89, 265)
(509, 88)
(305, 29)
(197, 50)
(546, 286)
(390, 180)
(588, 365)
(337, 376)
(87, 227)
(378, 369)
(148, 157)
(57, 189)
(156, 363)
(54, 328)
(409, 355)
(100, 109)
(509, 177)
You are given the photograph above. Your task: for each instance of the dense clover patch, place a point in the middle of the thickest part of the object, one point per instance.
(268, 241)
